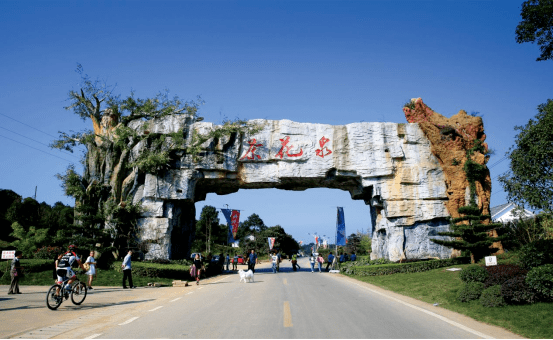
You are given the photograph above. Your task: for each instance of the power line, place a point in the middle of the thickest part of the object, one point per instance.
(496, 163)
(34, 140)
(46, 133)
(38, 149)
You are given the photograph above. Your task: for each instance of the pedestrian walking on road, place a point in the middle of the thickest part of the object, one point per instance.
(92, 268)
(252, 261)
(294, 261)
(16, 273)
(320, 261)
(198, 264)
(235, 262)
(279, 260)
(227, 261)
(127, 271)
(274, 258)
(312, 261)
(330, 259)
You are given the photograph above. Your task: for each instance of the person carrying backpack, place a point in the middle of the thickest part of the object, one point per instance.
(64, 269)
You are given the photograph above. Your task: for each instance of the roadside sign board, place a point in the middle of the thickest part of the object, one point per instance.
(491, 261)
(8, 254)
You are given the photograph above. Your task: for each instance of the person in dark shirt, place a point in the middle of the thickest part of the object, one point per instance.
(199, 265)
(15, 273)
(252, 261)
(330, 259)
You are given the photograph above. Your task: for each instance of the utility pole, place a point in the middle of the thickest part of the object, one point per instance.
(207, 232)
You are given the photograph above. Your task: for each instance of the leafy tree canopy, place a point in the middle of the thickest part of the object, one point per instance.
(537, 26)
(530, 180)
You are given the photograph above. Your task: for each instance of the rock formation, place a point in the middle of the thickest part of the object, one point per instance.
(409, 174)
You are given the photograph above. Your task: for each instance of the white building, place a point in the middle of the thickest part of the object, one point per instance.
(509, 212)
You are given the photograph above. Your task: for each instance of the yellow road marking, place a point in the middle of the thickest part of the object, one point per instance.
(287, 315)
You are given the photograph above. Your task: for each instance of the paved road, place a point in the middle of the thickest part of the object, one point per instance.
(283, 305)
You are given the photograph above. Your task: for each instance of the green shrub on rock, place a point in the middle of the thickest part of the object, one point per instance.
(540, 279)
(471, 291)
(473, 273)
(491, 297)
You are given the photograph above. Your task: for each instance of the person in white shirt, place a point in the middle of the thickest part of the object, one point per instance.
(92, 271)
(275, 260)
(127, 270)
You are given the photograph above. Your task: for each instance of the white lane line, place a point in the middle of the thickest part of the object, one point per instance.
(93, 336)
(175, 299)
(463, 327)
(189, 293)
(151, 310)
(201, 288)
(128, 321)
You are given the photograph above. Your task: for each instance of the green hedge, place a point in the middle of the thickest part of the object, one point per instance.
(29, 266)
(171, 271)
(395, 268)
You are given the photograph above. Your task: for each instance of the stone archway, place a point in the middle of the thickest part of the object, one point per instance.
(390, 166)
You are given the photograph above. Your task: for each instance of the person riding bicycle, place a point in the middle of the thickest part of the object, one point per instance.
(64, 269)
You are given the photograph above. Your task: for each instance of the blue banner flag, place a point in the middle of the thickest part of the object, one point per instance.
(233, 220)
(340, 228)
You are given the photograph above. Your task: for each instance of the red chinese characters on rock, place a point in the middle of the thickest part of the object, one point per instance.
(323, 151)
(250, 154)
(286, 149)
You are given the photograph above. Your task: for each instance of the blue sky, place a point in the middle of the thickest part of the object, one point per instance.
(332, 62)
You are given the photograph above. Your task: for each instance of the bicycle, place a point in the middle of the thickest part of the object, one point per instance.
(57, 293)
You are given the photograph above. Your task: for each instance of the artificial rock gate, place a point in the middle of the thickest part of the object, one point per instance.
(406, 173)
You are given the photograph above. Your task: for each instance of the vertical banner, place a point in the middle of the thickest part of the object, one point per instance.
(233, 220)
(271, 243)
(316, 243)
(340, 228)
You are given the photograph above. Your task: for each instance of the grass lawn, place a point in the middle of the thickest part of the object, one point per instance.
(442, 286)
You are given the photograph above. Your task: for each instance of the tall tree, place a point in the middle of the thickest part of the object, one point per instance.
(7, 198)
(530, 179)
(537, 26)
(207, 229)
(253, 226)
(353, 244)
(284, 242)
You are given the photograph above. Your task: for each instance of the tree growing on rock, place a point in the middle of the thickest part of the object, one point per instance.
(122, 149)
(103, 193)
(469, 232)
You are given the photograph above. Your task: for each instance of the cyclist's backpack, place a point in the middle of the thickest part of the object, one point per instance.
(65, 260)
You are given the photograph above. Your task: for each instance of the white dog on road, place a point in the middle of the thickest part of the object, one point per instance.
(246, 276)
